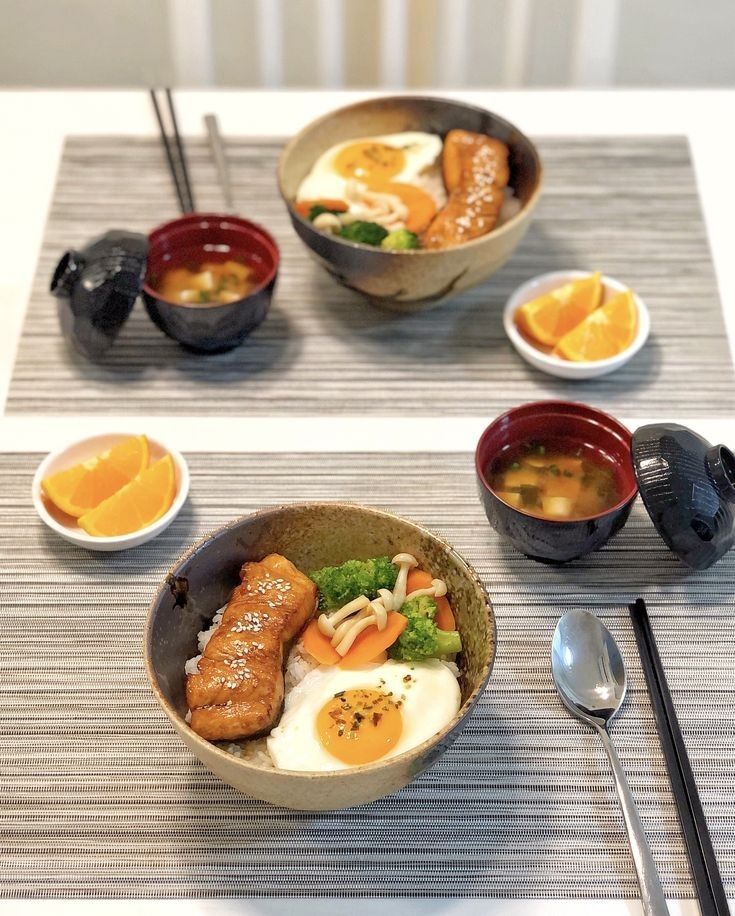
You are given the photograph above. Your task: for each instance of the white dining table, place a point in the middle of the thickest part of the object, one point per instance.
(36, 123)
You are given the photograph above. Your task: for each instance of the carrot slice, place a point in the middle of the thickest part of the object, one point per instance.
(420, 205)
(303, 207)
(319, 645)
(417, 579)
(444, 615)
(379, 659)
(368, 646)
(372, 642)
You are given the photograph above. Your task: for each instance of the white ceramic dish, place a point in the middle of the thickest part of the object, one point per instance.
(83, 449)
(563, 368)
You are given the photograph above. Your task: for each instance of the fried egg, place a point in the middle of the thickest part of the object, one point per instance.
(375, 161)
(337, 718)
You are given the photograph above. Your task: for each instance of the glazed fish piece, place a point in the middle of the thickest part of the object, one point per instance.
(238, 690)
(476, 172)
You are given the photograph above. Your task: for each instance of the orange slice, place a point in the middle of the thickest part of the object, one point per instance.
(549, 317)
(84, 486)
(137, 505)
(606, 332)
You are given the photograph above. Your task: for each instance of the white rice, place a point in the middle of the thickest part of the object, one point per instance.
(204, 636)
(254, 751)
(298, 665)
(432, 182)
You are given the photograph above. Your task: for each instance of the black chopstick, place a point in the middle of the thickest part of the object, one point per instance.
(176, 157)
(180, 148)
(707, 879)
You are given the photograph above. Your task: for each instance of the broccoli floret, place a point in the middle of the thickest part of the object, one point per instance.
(423, 639)
(400, 240)
(339, 584)
(318, 209)
(365, 232)
(422, 606)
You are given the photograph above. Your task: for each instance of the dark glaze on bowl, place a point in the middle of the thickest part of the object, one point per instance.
(311, 535)
(410, 280)
(200, 237)
(552, 541)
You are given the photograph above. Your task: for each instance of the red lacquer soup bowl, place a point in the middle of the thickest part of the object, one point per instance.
(588, 431)
(208, 237)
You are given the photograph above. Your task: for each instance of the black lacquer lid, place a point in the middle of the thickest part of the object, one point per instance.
(97, 288)
(688, 488)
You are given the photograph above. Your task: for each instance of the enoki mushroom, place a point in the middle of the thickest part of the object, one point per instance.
(345, 625)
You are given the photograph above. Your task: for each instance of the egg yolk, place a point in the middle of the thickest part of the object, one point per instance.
(359, 726)
(369, 161)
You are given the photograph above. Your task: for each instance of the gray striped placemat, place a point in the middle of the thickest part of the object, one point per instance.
(101, 798)
(627, 206)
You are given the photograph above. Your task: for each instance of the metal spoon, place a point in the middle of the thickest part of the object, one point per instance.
(590, 676)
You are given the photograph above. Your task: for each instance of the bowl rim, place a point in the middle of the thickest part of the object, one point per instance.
(210, 747)
(240, 221)
(576, 370)
(553, 403)
(527, 207)
(122, 541)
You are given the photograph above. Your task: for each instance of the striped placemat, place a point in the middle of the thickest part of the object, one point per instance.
(101, 799)
(627, 206)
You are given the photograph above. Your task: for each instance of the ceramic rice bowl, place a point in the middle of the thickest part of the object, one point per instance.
(312, 535)
(408, 281)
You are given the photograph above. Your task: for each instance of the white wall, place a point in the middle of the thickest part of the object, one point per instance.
(84, 42)
(132, 42)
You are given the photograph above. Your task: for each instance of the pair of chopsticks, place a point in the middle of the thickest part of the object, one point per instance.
(707, 879)
(175, 154)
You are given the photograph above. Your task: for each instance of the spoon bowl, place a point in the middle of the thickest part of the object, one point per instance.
(587, 668)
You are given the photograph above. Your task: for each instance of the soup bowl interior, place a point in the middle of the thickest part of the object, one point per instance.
(409, 280)
(191, 241)
(592, 430)
(311, 535)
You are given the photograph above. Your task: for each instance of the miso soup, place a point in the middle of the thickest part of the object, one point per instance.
(208, 283)
(558, 480)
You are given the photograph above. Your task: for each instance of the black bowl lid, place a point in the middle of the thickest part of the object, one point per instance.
(688, 488)
(97, 288)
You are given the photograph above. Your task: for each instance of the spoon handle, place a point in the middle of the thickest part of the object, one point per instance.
(652, 895)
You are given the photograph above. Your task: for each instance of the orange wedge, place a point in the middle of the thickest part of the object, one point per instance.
(549, 317)
(606, 332)
(137, 505)
(84, 486)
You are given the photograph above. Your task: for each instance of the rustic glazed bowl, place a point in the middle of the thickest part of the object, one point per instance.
(408, 281)
(311, 535)
(199, 237)
(551, 540)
